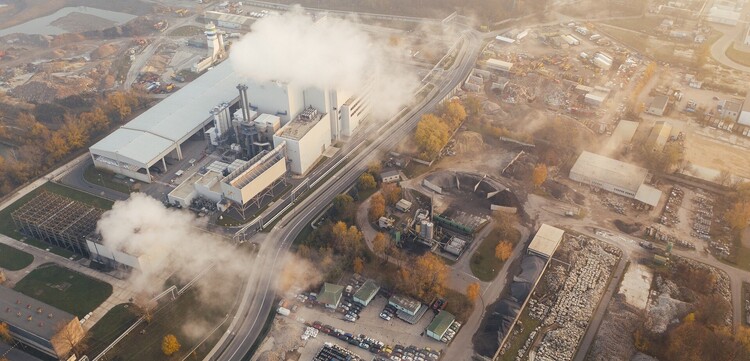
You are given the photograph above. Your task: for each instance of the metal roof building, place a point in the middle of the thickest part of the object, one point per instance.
(545, 241)
(440, 325)
(161, 130)
(38, 324)
(612, 175)
(366, 292)
(330, 295)
(659, 136)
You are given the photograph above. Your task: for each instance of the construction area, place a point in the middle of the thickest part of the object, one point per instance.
(58, 220)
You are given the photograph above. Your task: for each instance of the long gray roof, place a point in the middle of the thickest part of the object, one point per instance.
(30, 315)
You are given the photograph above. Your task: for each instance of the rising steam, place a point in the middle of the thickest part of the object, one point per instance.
(166, 241)
(330, 53)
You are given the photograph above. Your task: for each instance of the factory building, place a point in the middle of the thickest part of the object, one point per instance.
(730, 109)
(330, 295)
(211, 108)
(545, 242)
(744, 117)
(499, 65)
(306, 138)
(229, 21)
(614, 176)
(440, 325)
(216, 49)
(110, 257)
(38, 325)
(247, 182)
(366, 292)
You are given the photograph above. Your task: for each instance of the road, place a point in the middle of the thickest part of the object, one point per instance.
(258, 298)
(719, 48)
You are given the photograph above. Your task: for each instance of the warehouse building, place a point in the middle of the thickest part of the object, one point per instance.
(230, 21)
(499, 65)
(744, 117)
(38, 325)
(545, 242)
(440, 325)
(58, 220)
(730, 109)
(390, 176)
(614, 176)
(407, 309)
(366, 292)
(658, 105)
(110, 257)
(330, 295)
(659, 136)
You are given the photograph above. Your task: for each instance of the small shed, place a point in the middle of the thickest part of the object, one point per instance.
(403, 205)
(390, 176)
(330, 295)
(366, 292)
(440, 325)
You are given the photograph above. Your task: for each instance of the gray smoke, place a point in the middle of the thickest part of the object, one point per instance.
(330, 53)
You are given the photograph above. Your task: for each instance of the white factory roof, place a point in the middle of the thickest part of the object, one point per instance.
(230, 18)
(610, 171)
(133, 144)
(499, 64)
(174, 118)
(546, 240)
(648, 194)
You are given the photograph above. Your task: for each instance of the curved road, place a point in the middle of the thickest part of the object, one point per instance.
(719, 48)
(258, 297)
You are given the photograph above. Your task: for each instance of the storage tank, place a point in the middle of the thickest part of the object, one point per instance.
(427, 229)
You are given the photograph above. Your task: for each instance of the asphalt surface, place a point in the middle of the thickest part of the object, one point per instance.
(258, 297)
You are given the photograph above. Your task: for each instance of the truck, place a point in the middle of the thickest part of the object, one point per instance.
(283, 311)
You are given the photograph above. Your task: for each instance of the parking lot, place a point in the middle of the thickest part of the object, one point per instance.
(390, 333)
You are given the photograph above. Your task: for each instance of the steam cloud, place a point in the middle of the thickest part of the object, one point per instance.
(331, 53)
(167, 242)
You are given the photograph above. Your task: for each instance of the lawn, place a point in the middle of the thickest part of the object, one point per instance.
(9, 229)
(484, 265)
(738, 56)
(111, 326)
(188, 319)
(67, 290)
(13, 259)
(105, 179)
(629, 38)
(645, 25)
(518, 340)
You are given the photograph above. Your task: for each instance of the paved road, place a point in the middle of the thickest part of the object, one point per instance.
(75, 179)
(719, 48)
(257, 300)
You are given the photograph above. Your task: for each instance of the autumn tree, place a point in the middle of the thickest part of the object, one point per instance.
(472, 291)
(5, 333)
(503, 250)
(374, 168)
(358, 265)
(739, 215)
(473, 105)
(431, 276)
(366, 182)
(75, 133)
(432, 135)
(119, 103)
(391, 193)
(57, 147)
(170, 345)
(453, 113)
(539, 175)
(347, 240)
(343, 206)
(71, 338)
(380, 245)
(377, 207)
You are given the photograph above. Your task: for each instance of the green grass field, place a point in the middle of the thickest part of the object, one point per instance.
(9, 229)
(109, 327)
(67, 290)
(13, 259)
(187, 318)
(484, 265)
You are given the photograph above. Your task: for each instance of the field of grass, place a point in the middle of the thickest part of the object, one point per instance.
(114, 323)
(632, 39)
(13, 259)
(529, 324)
(187, 318)
(9, 229)
(484, 265)
(187, 30)
(738, 56)
(104, 179)
(644, 25)
(67, 290)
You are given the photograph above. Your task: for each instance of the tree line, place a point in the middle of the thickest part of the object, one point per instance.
(39, 146)
(434, 130)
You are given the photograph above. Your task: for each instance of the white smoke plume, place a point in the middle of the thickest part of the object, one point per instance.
(332, 53)
(167, 242)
